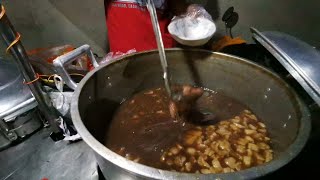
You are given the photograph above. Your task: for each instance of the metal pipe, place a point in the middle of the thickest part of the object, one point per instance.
(18, 52)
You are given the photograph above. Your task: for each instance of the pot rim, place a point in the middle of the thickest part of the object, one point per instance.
(145, 171)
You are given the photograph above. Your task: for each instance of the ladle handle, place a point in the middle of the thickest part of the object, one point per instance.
(154, 19)
(68, 58)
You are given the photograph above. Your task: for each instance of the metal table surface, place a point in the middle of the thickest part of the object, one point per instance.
(39, 157)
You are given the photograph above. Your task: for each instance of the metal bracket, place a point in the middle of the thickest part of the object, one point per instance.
(68, 58)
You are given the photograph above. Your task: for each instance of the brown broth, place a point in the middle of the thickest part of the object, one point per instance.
(142, 129)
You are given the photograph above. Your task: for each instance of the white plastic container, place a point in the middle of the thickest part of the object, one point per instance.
(192, 31)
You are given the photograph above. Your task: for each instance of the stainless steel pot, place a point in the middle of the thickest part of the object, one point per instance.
(101, 91)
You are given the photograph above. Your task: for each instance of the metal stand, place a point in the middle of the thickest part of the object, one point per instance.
(9, 35)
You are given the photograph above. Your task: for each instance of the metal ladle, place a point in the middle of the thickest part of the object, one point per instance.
(154, 19)
(176, 96)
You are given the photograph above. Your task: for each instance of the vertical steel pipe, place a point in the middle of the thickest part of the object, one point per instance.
(8, 34)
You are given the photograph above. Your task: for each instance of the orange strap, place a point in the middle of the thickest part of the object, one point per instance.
(49, 77)
(18, 36)
(3, 12)
(30, 82)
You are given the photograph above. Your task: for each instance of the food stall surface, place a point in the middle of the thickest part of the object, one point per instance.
(39, 157)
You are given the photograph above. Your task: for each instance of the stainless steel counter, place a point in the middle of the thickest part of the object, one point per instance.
(39, 157)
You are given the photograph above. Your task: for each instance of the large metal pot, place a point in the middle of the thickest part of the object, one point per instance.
(101, 91)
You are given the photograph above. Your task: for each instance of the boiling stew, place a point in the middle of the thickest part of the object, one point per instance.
(143, 131)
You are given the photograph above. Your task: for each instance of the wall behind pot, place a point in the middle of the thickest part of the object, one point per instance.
(295, 17)
(44, 23)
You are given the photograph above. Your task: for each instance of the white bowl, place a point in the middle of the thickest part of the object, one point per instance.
(192, 32)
